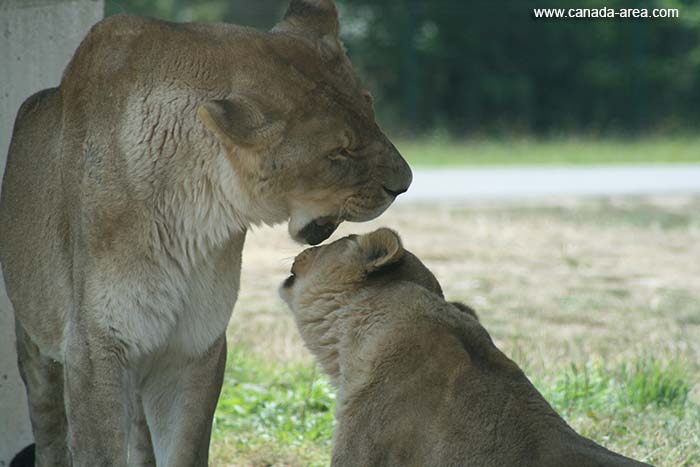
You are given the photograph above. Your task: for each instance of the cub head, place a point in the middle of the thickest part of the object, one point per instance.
(299, 129)
(340, 291)
(325, 273)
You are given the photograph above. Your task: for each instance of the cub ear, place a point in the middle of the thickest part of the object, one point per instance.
(382, 248)
(238, 121)
(317, 19)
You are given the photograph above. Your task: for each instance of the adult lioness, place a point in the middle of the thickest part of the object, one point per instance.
(127, 195)
(420, 383)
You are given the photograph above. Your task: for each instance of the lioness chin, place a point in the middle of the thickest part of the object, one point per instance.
(419, 380)
(128, 192)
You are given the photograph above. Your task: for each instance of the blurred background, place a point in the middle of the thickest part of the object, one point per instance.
(464, 70)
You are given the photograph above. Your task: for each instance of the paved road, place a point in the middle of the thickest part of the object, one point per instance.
(541, 182)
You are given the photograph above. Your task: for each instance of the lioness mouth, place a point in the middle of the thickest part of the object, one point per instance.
(318, 230)
(289, 281)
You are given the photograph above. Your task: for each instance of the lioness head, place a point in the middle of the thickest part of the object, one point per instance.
(299, 129)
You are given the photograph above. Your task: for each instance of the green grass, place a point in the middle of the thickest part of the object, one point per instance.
(575, 151)
(641, 406)
(275, 411)
(271, 414)
(645, 382)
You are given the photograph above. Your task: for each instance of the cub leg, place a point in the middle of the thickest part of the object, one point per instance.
(179, 404)
(94, 385)
(43, 379)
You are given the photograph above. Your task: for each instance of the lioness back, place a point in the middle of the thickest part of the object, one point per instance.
(32, 175)
(420, 382)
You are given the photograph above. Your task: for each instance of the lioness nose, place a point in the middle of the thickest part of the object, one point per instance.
(400, 177)
(395, 193)
(397, 176)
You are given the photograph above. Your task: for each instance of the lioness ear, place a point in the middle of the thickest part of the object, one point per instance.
(316, 19)
(382, 248)
(465, 308)
(240, 122)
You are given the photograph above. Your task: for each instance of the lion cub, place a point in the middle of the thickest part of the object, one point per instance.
(419, 380)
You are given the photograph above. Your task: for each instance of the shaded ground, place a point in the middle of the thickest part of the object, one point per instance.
(577, 292)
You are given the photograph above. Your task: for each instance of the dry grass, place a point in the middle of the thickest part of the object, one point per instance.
(556, 284)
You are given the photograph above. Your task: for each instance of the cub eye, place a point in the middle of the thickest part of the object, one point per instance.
(340, 154)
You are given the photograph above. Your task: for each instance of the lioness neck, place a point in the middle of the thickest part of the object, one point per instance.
(198, 212)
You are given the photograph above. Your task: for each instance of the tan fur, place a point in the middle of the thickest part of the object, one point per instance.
(420, 383)
(125, 203)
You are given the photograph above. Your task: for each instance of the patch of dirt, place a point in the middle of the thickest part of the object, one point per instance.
(556, 282)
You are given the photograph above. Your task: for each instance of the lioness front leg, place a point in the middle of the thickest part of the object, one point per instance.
(140, 447)
(179, 404)
(94, 397)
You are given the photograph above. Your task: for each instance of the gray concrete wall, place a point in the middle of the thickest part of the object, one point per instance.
(37, 38)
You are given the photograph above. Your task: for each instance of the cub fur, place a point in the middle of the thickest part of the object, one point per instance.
(419, 380)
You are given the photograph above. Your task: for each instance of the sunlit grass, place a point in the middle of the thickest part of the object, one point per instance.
(276, 414)
(575, 151)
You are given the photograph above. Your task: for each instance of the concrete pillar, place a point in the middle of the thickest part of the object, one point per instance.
(37, 38)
